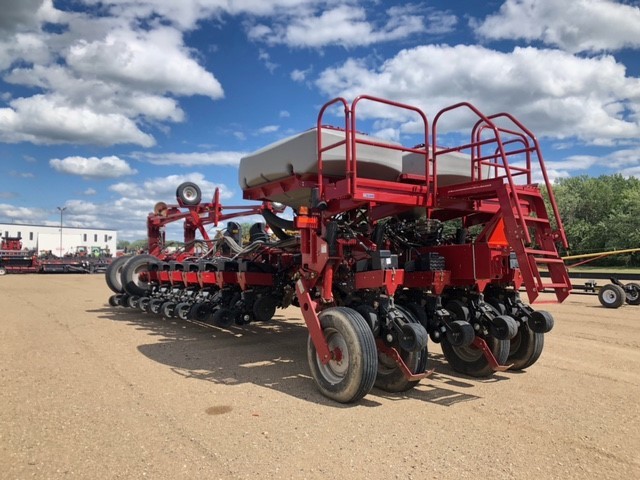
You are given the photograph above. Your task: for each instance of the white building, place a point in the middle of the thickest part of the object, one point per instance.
(58, 241)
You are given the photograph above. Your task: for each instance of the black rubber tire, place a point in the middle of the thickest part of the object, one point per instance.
(189, 193)
(458, 309)
(460, 333)
(167, 309)
(113, 300)
(113, 274)
(612, 296)
(525, 348)
(182, 310)
(541, 321)
(503, 327)
(354, 375)
(155, 305)
(223, 318)
(143, 304)
(130, 276)
(132, 301)
(389, 377)
(632, 294)
(470, 360)
(198, 312)
(3, 270)
(264, 308)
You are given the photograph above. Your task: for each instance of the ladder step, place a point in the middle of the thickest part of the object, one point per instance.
(555, 285)
(533, 251)
(548, 260)
(535, 220)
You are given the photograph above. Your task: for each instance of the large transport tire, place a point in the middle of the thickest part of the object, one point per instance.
(612, 296)
(189, 193)
(390, 378)
(351, 378)
(632, 291)
(113, 274)
(130, 277)
(470, 360)
(525, 348)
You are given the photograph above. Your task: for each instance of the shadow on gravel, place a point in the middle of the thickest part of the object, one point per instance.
(272, 355)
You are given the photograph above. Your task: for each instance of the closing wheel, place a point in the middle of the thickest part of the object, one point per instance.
(632, 291)
(143, 303)
(471, 361)
(167, 309)
(3, 270)
(503, 327)
(390, 378)
(460, 333)
(189, 193)
(541, 321)
(113, 300)
(223, 318)
(182, 310)
(264, 308)
(132, 281)
(132, 301)
(155, 305)
(525, 348)
(113, 274)
(611, 296)
(198, 311)
(351, 373)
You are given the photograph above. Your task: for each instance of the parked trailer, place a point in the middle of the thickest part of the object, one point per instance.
(369, 264)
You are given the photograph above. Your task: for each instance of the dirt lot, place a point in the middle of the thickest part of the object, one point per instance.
(87, 391)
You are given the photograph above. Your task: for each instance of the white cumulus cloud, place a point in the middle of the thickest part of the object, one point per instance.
(93, 167)
(573, 25)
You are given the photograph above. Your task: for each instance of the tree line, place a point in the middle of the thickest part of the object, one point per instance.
(601, 214)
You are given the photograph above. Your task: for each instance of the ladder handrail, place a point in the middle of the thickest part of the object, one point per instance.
(474, 146)
(390, 103)
(322, 149)
(543, 169)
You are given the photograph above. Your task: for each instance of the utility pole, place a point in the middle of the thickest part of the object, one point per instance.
(62, 209)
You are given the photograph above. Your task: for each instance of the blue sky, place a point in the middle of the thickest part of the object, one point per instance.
(106, 106)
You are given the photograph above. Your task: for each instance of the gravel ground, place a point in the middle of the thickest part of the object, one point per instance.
(89, 391)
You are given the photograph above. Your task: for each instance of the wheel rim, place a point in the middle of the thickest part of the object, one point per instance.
(190, 194)
(609, 296)
(336, 369)
(136, 276)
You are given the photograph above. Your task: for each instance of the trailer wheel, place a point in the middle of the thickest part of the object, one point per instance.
(525, 348)
(470, 360)
(390, 378)
(113, 274)
(351, 375)
(189, 193)
(632, 291)
(611, 296)
(130, 277)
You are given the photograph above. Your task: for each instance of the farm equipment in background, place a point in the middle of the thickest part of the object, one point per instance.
(372, 264)
(616, 293)
(15, 259)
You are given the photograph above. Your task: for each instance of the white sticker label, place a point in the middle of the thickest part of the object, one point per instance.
(323, 248)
